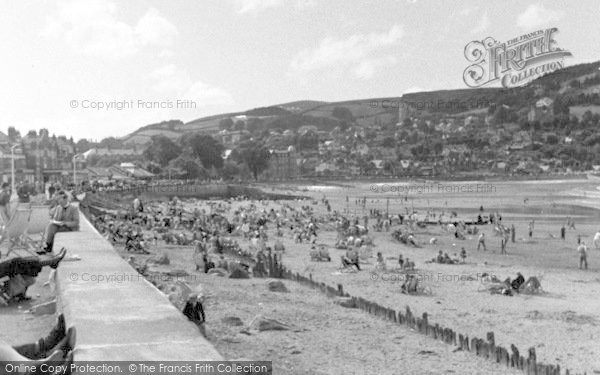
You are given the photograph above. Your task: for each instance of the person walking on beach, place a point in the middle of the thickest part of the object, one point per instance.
(503, 244)
(597, 240)
(582, 250)
(531, 224)
(481, 242)
(512, 233)
(562, 232)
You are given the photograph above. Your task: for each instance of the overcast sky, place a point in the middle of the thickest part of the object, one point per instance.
(233, 55)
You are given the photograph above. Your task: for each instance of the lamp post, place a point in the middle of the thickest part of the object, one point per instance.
(12, 171)
(76, 158)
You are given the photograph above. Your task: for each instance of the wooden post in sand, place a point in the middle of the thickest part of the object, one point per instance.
(531, 362)
(425, 321)
(492, 344)
(514, 358)
(466, 344)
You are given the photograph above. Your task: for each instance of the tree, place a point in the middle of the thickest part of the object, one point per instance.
(308, 141)
(226, 124)
(191, 168)
(388, 142)
(552, 139)
(256, 157)
(343, 113)
(205, 148)
(238, 125)
(438, 147)
(230, 170)
(13, 134)
(162, 150)
(83, 145)
(111, 143)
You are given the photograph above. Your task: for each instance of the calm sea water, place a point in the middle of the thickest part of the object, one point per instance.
(545, 199)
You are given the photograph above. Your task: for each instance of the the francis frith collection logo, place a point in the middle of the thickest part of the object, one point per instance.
(515, 62)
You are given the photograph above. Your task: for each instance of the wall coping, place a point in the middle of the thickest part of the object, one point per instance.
(118, 314)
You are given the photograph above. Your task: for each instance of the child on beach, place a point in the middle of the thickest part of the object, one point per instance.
(481, 242)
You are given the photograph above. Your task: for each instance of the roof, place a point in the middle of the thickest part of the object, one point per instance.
(99, 172)
(129, 170)
(3, 138)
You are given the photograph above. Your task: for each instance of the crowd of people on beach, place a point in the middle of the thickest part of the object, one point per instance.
(243, 228)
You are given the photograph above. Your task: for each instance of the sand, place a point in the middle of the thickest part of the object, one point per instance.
(562, 323)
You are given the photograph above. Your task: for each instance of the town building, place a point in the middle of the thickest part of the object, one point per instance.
(283, 164)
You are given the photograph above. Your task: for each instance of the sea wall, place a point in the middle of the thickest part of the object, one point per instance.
(198, 191)
(118, 314)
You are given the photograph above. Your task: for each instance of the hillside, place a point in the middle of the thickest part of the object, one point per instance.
(577, 86)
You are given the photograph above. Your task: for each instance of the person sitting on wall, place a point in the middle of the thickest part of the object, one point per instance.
(194, 311)
(4, 202)
(63, 218)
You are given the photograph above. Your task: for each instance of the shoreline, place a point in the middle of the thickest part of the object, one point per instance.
(352, 181)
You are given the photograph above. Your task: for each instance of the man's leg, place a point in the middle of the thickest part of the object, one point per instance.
(51, 231)
(41, 348)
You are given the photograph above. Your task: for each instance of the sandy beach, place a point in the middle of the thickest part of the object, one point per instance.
(561, 323)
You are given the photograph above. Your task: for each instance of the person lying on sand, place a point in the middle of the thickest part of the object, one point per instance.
(351, 259)
(517, 282)
(410, 285)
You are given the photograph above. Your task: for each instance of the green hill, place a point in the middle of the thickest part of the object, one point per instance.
(576, 86)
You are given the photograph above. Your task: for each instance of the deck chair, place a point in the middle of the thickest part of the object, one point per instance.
(365, 253)
(15, 230)
(37, 226)
(320, 255)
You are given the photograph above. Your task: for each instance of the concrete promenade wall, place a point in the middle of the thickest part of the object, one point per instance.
(118, 314)
(199, 191)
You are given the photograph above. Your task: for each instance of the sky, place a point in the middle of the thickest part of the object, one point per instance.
(98, 68)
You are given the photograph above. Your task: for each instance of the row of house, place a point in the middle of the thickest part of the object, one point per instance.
(41, 158)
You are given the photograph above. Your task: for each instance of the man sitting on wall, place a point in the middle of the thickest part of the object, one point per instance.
(4, 202)
(64, 217)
